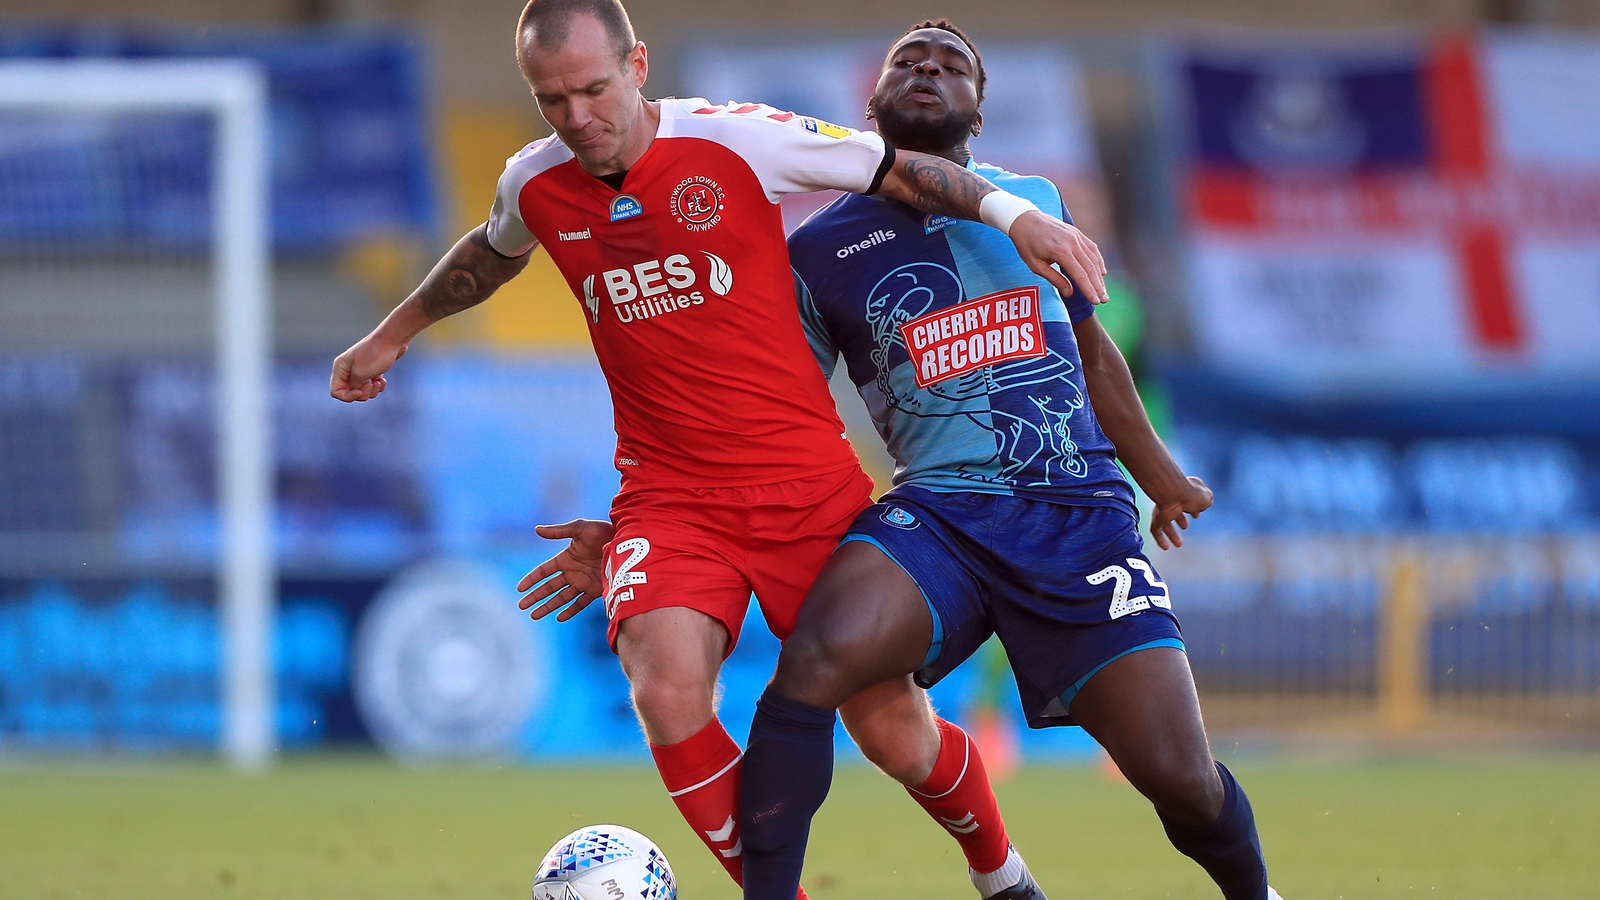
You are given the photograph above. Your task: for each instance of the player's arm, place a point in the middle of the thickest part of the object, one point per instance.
(934, 184)
(465, 277)
(1122, 416)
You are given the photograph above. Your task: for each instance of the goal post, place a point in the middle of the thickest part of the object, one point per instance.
(233, 92)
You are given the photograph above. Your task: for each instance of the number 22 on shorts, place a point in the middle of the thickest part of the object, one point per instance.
(620, 586)
(1121, 603)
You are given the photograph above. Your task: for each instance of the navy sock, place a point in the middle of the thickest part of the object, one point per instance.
(1229, 849)
(788, 767)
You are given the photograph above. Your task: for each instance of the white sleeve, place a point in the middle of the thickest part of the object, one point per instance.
(794, 154)
(508, 234)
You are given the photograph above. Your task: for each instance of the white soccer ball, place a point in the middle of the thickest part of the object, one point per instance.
(605, 862)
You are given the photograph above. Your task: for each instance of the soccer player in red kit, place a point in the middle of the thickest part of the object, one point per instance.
(663, 218)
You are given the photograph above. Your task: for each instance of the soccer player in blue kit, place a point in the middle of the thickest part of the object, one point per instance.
(1008, 516)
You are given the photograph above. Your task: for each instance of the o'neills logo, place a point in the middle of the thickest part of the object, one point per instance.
(983, 331)
(697, 203)
(873, 240)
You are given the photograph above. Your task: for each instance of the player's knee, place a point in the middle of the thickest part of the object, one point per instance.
(906, 761)
(815, 668)
(672, 706)
(1184, 790)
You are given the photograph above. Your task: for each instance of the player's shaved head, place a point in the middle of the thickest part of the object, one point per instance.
(545, 25)
(953, 28)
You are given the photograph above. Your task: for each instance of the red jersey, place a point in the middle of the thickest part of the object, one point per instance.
(685, 280)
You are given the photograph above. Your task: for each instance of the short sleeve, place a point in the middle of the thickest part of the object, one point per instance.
(816, 330)
(793, 154)
(508, 234)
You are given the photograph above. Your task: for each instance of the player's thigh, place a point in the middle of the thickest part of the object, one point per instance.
(863, 621)
(1144, 699)
(675, 607)
(1143, 708)
(893, 724)
(671, 656)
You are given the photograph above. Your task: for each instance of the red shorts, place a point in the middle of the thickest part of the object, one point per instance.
(708, 549)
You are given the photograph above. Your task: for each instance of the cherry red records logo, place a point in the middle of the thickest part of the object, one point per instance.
(697, 203)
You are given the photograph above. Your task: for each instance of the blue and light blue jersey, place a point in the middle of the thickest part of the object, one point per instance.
(865, 267)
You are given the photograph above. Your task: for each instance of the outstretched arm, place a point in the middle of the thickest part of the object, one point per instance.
(465, 277)
(1121, 414)
(936, 185)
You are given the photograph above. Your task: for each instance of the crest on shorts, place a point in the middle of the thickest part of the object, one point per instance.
(899, 518)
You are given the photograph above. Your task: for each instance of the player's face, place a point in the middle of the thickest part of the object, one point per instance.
(927, 96)
(590, 99)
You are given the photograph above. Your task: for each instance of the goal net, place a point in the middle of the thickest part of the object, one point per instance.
(134, 252)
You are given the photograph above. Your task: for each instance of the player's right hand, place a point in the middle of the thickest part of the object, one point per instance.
(1043, 240)
(574, 576)
(358, 372)
(1172, 513)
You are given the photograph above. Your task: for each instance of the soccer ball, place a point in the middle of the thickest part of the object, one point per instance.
(605, 862)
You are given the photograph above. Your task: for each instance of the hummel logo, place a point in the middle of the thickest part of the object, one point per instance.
(967, 824)
(723, 833)
(573, 235)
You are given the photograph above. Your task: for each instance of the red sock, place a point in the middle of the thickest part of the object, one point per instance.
(702, 777)
(958, 795)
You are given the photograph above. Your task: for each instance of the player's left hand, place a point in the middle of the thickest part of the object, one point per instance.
(1172, 513)
(574, 576)
(1042, 240)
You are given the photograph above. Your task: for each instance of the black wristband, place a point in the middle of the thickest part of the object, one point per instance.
(883, 170)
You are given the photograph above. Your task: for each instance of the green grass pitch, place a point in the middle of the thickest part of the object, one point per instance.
(358, 827)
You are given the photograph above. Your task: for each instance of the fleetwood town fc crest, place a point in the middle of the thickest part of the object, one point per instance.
(697, 203)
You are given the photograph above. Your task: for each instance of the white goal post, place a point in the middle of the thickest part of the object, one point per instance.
(235, 93)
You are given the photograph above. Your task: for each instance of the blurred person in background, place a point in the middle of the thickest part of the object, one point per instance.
(663, 218)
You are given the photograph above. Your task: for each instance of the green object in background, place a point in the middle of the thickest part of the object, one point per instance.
(361, 827)
(994, 676)
(1123, 317)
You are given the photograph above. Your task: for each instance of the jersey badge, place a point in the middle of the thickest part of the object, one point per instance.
(625, 206)
(697, 203)
(932, 224)
(899, 518)
(984, 331)
(826, 129)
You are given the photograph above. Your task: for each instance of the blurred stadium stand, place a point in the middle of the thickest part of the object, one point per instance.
(1340, 382)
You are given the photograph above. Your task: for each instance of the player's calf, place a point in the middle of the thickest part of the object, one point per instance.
(894, 725)
(1142, 707)
(671, 657)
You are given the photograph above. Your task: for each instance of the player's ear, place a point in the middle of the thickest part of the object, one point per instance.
(872, 112)
(977, 125)
(638, 64)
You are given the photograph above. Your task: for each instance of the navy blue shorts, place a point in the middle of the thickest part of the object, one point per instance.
(1067, 588)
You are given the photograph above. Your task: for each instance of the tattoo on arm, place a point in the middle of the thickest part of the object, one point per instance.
(939, 186)
(467, 275)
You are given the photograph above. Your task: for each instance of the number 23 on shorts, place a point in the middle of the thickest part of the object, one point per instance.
(1121, 603)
